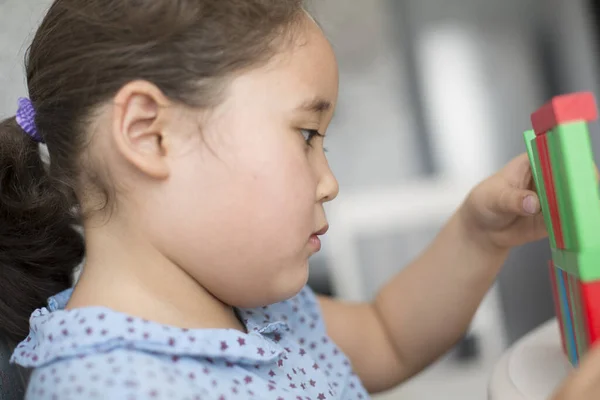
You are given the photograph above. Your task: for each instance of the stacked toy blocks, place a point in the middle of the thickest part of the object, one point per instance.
(564, 172)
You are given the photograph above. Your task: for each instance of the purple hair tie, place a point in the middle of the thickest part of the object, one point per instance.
(26, 119)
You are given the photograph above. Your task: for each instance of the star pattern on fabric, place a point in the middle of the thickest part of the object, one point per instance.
(98, 353)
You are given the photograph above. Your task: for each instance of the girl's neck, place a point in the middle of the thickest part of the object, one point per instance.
(124, 272)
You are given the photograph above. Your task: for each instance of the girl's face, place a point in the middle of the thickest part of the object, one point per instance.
(244, 200)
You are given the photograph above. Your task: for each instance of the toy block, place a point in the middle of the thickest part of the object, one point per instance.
(563, 169)
(584, 338)
(575, 180)
(585, 265)
(578, 321)
(557, 307)
(577, 306)
(547, 174)
(538, 180)
(563, 306)
(568, 317)
(560, 191)
(564, 109)
(590, 297)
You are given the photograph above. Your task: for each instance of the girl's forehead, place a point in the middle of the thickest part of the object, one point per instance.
(303, 77)
(312, 66)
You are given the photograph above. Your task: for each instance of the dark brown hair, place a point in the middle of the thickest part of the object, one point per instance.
(82, 54)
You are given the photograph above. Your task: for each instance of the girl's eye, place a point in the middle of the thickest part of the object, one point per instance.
(310, 134)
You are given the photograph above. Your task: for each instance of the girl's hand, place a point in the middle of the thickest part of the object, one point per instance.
(504, 211)
(584, 382)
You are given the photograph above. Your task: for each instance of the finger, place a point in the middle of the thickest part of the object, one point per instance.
(520, 161)
(589, 368)
(518, 201)
(584, 382)
(518, 171)
(535, 226)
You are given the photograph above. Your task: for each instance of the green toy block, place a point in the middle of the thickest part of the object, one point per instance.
(562, 124)
(538, 179)
(557, 160)
(529, 137)
(583, 264)
(578, 182)
(566, 261)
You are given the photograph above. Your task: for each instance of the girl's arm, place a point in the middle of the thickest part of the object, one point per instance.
(421, 313)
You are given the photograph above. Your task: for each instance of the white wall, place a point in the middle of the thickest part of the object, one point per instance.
(18, 18)
(372, 138)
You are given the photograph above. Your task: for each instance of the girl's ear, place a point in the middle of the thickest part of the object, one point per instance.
(139, 119)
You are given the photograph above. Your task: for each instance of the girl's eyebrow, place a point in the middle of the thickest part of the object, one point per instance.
(316, 105)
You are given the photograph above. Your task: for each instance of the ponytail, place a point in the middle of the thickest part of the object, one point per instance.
(39, 244)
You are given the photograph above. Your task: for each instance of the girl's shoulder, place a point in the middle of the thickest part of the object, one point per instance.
(119, 374)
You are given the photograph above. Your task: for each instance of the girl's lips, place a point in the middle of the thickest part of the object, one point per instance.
(315, 242)
(322, 231)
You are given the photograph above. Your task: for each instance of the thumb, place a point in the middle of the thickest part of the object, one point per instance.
(584, 382)
(519, 201)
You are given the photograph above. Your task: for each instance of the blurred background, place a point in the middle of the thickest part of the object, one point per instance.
(435, 95)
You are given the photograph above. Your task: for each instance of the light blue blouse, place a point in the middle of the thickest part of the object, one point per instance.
(97, 353)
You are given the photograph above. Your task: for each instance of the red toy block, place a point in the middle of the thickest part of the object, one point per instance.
(564, 109)
(590, 298)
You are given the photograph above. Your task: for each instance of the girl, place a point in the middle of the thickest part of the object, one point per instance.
(186, 136)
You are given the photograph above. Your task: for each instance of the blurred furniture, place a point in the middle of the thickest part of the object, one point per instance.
(532, 368)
